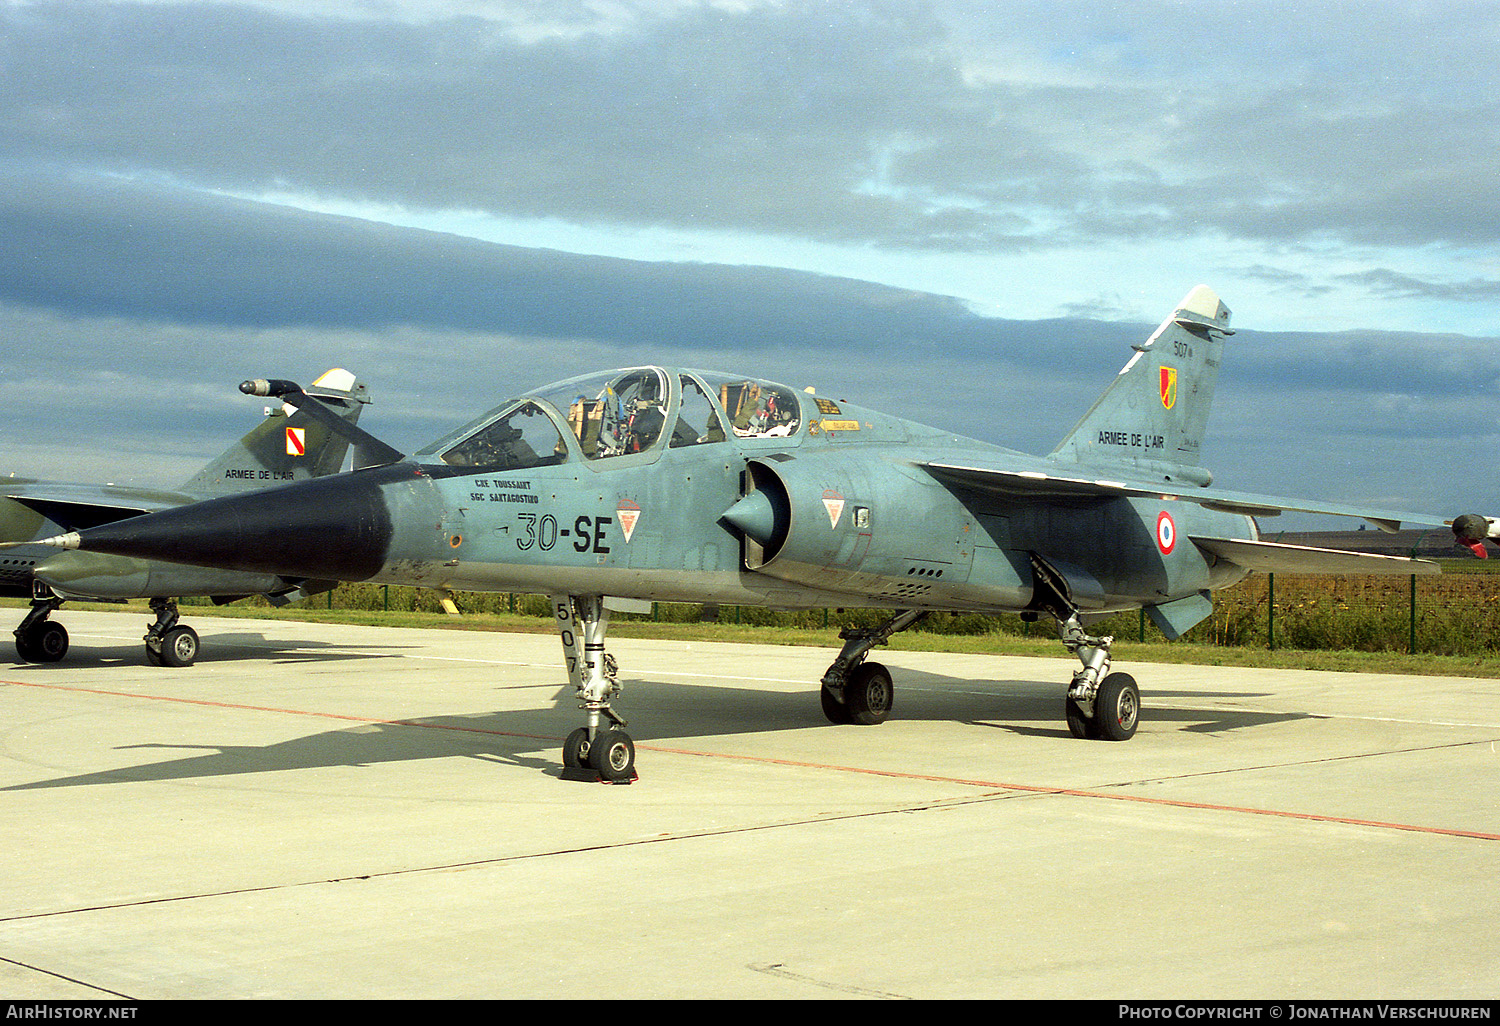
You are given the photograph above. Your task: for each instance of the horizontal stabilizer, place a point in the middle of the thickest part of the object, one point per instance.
(1277, 557)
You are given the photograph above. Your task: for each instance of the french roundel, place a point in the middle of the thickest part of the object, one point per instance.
(1166, 533)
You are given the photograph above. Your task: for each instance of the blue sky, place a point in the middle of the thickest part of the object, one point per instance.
(959, 212)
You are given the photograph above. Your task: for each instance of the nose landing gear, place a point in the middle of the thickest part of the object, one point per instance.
(606, 754)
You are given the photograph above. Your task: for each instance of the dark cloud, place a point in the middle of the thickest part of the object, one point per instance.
(756, 125)
(1384, 280)
(125, 250)
(927, 126)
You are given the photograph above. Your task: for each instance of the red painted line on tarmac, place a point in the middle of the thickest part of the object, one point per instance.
(1069, 792)
(992, 785)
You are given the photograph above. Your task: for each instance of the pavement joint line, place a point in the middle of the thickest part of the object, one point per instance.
(779, 969)
(59, 976)
(993, 785)
(687, 835)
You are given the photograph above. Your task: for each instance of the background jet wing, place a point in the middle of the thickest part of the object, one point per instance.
(1009, 483)
(1277, 557)
(80, 506)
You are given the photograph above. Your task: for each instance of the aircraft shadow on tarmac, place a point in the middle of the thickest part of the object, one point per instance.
(674, 714)
(229, 647)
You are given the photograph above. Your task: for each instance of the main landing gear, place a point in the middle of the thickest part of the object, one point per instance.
(607, 753)
(168, 643)
(1099, 705)
(854, 691)
(38, 639)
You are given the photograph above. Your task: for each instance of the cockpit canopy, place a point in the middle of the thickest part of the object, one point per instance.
(621, 413)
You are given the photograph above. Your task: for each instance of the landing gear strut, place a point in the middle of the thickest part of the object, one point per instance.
(38, 639)
(582, 622)
(169, 643)
(1099, 705)
(855, 691)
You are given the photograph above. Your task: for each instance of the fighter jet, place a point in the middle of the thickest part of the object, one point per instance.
(653, 484)
(289, 444)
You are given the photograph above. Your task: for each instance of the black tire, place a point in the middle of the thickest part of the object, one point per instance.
(869, 694)
(26, 648)
(179, 647)
(612, 756)
(1117, 707)
(1079, 725)
(833, 708)
(576, 749)
(47, 642)
(51, 642)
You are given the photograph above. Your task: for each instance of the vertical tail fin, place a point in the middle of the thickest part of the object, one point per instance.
(1152, 416)
(287, 445)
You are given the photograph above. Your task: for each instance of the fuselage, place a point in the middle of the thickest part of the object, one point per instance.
(861, 524)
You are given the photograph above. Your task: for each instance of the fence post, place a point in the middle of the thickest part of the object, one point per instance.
(1412, 648)
(1271, 611)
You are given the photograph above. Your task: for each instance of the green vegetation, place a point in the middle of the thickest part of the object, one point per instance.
(1331, 623)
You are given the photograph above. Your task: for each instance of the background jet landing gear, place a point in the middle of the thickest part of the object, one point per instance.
(854, 691)
(38, 639)
(590, 752)
(169, 643)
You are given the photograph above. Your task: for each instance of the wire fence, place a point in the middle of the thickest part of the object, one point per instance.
(1455, 613)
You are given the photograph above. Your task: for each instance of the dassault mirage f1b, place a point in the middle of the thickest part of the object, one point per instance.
(678, 485)
(290, 443)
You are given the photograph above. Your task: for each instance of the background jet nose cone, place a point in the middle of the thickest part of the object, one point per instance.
(1471, 527)
(755, 515)
(334, 528)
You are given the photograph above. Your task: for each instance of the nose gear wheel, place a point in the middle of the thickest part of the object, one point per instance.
(602, 753)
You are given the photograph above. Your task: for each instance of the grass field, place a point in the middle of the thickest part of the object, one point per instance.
(1333, 623)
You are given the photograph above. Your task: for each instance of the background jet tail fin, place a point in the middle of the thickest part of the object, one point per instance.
(1153, 415)
(288, 445)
